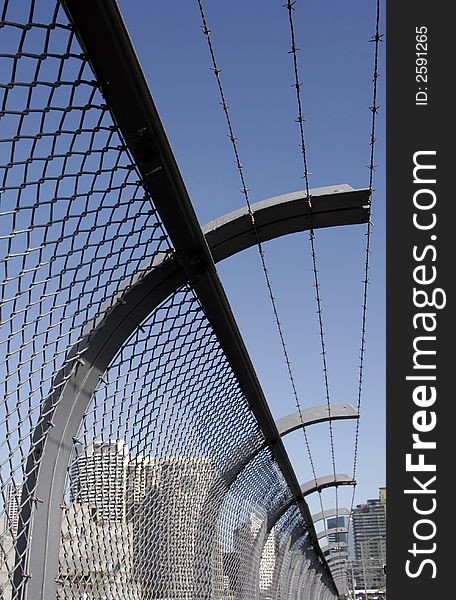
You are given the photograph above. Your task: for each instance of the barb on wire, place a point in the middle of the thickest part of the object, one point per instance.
(289, 5)
(245, 191)
(374, 108)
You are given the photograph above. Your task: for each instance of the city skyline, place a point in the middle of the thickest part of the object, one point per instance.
(130, 492)
(369, 532)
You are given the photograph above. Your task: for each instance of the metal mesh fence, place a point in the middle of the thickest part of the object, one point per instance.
(148, 480)
(276, 553)
(171, 485)
(75, 226)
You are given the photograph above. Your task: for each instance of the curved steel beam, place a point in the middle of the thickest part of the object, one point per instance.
(334, 546)
(338, 554)
(301, 583)
(334, 559)
(309, 581)
(298, 537)
(314, 585)
(295, 573)
(310, 416)
(324, 482)
(343, 554)
(298, 532)
(103, 36)
(279, 512)
(312, 566)
(331, 512)
(283, 566)
(282, 215)
(340, 573)
(340, 576)
(308, 488)
(315, 414)
(332, 531)
(338, 566)
(282, 553)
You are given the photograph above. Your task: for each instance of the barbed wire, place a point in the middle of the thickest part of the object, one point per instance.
(245, 191)
(289, 6)
(376, 39)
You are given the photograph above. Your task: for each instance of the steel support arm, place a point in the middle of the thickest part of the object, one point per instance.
(324, 482)
(282, 215)
(331, 512)
(333, 546)
(315, 414)
(332, 531)
(103, 37)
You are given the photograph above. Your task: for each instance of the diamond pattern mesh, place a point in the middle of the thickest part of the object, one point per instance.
(148, 475)
(170, 485)
(75, 225)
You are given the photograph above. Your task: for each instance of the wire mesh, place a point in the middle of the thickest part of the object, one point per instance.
(75, 226)
(274, 566)
(147, 479)
(171, 484)
(296, 573)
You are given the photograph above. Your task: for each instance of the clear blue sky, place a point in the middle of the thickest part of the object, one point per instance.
(251, 41)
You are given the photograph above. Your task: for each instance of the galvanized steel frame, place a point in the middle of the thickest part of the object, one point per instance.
(103, 36)
(63, 414)
(331, 512)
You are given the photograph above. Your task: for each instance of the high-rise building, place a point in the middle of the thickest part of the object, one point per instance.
(369, 529)
(98, 479)
(13, 502)
(95, 547)
(153, 518)
(334, 523)
(248, 544)
(174, 546)
(267, 563)
(9, 520)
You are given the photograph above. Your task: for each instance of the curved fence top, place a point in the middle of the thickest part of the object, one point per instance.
(123, 403)
(139, 458)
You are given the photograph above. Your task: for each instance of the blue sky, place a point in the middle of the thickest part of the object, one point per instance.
(251, 42)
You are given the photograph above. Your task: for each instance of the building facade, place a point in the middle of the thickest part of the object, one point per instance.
(98, 479)
(267, 564)
(154, 521)
(174, 545)
(11, 514)
(369, 530)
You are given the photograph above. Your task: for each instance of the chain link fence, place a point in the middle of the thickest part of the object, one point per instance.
(170, 483)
